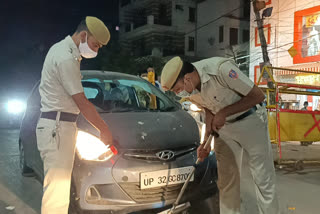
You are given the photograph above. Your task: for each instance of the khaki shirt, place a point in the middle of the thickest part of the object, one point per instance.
(61, 77)
(222, 84)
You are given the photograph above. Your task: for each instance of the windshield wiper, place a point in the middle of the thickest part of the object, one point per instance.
(171, 108)
(123, 110)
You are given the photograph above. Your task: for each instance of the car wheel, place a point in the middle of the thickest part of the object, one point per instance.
(210, 205)
(25, 170)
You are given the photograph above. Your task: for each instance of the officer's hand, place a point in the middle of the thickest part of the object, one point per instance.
(203, 153)
(208, 131)
(209, 119)
(218, 121)
(106, 137)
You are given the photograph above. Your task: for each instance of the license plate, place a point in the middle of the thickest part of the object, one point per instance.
(165, 177)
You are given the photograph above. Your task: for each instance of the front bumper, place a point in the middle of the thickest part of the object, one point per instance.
(97, 186)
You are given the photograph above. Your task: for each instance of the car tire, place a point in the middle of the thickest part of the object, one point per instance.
(25, 170)
(210, 205)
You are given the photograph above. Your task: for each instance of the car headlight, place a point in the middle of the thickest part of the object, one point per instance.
(15, 106)
(92, 148)
(194, 107)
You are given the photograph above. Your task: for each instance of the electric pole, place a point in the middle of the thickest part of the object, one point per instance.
(257, 6)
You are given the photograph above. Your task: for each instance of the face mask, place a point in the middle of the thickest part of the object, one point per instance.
(184, 93)
(86, 51)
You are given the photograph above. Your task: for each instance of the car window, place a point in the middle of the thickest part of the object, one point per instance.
(125, 94)
(91, 93)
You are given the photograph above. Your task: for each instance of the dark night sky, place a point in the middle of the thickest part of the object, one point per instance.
(28, 28)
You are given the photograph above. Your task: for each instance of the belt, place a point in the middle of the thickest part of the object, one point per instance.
(64, 116)
(244, 115)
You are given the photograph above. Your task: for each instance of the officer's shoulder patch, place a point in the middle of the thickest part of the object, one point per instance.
(233, 74)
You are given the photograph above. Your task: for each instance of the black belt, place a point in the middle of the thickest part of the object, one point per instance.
(244, 115)
(64, 116)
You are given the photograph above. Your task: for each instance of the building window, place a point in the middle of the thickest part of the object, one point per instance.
(163, 18)
(245, 36)
(192, 14)
(306, 36)
(191, 43)
(221, 28)
(179, 7)
(127, 27)
(233, 36)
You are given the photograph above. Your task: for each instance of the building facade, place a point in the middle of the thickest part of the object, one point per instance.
(292, 34)
(223, 30)
(157, 28)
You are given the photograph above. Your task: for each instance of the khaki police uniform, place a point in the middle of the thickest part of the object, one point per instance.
(56, 129)
(222, 84)
(61, 78)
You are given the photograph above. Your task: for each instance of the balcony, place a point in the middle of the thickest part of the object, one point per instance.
(132, 4)
(139, 29)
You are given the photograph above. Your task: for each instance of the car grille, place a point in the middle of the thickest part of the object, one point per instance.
(151, 155)
(152, 195)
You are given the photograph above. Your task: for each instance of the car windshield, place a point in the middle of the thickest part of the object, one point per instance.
(123, 93)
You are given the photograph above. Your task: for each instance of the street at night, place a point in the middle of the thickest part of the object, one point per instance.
(160, 107)
(298, 190)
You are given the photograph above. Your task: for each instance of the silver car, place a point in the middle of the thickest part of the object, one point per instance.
(156, 142)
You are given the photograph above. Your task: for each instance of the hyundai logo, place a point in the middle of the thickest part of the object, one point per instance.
(165, 155)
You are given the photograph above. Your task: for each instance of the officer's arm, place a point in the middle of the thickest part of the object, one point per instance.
(90, 113)
(254, 97)
(209, 118)
(70, 77)
(233, 78)
(201, 152)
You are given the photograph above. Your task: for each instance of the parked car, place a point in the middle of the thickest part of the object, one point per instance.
(156, 140)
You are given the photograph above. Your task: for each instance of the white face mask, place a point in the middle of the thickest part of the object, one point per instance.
(86, 51)
(184, 93)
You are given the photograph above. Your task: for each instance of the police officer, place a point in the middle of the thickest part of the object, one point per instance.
(231, 101)
(62, 99)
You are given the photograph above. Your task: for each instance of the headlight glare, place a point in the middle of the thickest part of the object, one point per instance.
(203, 132)
(92, 148)
(15, 106)
(194, 107)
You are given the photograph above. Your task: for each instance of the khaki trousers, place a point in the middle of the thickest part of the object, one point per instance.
(249, 137)
(56, 143)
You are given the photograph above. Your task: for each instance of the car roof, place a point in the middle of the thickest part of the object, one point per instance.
(87, 74)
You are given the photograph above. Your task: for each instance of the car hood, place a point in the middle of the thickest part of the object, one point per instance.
(148, 130)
